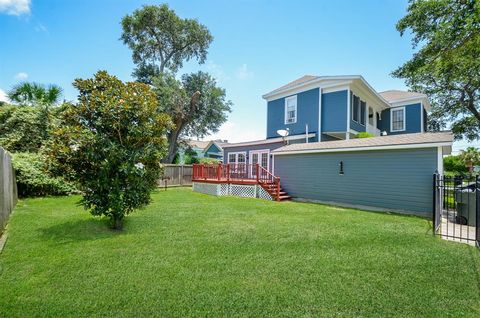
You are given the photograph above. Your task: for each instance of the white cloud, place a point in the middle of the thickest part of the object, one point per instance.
(234, 133)
(22, 75)
(3, 96)
(243, 73)
(15, 7)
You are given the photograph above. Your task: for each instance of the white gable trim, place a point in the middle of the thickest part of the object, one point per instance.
(410, 101)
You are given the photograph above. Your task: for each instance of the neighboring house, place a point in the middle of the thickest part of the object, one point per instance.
(322, 159)
(204, 149)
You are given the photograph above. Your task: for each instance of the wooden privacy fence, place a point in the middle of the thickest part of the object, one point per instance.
(176, 175)
(8, 188)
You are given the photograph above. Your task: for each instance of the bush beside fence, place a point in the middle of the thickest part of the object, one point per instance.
(8, 188)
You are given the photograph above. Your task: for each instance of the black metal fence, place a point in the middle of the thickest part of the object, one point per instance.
(456, 208)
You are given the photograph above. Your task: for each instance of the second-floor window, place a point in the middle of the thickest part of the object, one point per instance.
(291, 110)
(397, 119)
(358, 109)
(355, 108)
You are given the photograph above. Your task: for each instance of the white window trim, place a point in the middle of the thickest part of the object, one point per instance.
(236, 156)
(422, 128)
(365, 117)
(294, 97)
(352, 107)
(404, 119)
(259, 152)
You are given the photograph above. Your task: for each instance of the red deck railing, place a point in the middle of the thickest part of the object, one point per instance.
(241, 173)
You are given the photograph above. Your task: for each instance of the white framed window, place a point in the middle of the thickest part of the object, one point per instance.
(237, 157)
(261, 157)
(291, 109)
(355, 107)
(397, 119)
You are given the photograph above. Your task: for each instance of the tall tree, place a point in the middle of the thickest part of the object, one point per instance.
(111, 143)
(196, 104)
(161, 40)
(39, 96)
(447, 65)
(470, 157)
(34, 94)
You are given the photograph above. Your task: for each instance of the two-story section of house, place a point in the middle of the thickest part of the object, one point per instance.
(328, 108)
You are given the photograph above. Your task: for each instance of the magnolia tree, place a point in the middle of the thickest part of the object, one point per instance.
(112, 142)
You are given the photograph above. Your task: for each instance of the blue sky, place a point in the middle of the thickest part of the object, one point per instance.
(258, 46)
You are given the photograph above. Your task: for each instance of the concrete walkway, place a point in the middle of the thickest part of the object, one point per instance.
(465, 233)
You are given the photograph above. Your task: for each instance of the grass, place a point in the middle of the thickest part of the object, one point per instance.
(190, 254)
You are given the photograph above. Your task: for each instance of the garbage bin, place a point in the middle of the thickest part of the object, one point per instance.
(466, 206)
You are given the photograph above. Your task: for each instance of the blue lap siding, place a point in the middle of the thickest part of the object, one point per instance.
(413, 119)
(334, 111)
(396, 180)
(307, 114)
(247, 149)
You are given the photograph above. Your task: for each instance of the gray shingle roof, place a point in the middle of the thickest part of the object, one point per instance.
(298, 81)
(393, 94)
(200, 144)
(382, 141)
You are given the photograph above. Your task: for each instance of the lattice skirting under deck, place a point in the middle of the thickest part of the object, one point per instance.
(241, 190)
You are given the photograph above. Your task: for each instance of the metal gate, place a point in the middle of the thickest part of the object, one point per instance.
(456, 208)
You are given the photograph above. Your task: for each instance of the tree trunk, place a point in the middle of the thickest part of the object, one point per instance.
(172, 146)
(116, 223)
(180, 122)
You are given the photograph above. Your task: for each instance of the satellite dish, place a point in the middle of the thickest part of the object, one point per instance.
(283, 132)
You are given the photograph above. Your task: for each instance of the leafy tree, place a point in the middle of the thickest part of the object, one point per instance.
(160, 40)
(22, 129)
(447, 65)
(34, 94)
(196, 104)
(470, 157)
(37, 95)
(454, 164)
(190, 156)
(112, 142)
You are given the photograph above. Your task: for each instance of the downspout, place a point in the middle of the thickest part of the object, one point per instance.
(347, 134)
(306, 133)
(319, 137)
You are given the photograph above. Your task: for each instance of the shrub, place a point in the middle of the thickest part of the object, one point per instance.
(454, 164)
(364, 134)
(22, 128)
(34, 180)
(209, 160)
(112, 142)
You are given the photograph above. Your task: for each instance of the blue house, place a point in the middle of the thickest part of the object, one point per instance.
(328, 108)
(312, 151)
(203, 149)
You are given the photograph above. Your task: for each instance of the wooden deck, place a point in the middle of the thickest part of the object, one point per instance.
(248, 174)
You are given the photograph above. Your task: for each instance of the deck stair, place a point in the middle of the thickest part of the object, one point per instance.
(272, 189)
(241, 174)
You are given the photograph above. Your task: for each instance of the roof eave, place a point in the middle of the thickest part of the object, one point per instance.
(366, 148)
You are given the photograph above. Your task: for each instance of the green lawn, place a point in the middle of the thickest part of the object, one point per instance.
(190, 254)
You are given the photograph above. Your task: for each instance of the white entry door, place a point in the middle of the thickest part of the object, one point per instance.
(262, 157)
